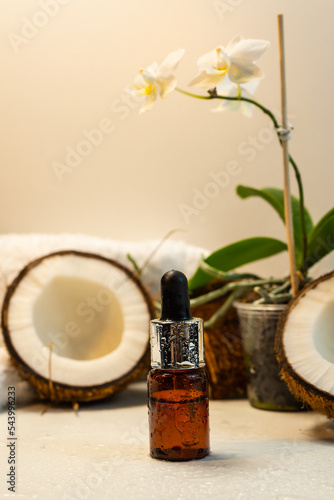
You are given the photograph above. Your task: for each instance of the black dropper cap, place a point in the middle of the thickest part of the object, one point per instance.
(175, 305)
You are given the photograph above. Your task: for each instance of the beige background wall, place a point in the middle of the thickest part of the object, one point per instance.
(63, 71)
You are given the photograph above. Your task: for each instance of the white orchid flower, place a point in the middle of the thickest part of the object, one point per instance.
(237, 60)
(156, 80)
(230, 89)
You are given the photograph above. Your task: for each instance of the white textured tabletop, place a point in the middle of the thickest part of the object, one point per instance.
(101, 452)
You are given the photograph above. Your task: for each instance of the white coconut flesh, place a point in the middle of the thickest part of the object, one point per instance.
(308, 339)
(92, 314)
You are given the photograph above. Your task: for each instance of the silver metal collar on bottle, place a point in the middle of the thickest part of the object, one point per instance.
(177, 344)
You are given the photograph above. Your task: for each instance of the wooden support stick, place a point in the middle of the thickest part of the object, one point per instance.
(285, 149)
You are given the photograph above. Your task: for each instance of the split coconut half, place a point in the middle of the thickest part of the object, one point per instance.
(305, 345)
(77, 325)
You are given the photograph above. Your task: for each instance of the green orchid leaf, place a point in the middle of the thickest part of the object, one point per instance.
(235, 255)
(321, 239)
(275, 197)
(328, 215)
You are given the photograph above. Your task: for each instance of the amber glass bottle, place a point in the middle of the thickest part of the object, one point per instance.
(178, 404)
(178, 414)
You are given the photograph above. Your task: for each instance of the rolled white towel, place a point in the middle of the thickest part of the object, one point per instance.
(9, 377)
(16, 251)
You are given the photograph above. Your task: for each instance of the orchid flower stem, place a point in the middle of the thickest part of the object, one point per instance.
(266, 111)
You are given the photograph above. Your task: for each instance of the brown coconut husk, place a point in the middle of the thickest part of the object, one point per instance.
(224, 352)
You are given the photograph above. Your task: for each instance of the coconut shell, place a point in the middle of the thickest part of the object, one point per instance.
(48, 389)
(224, 352)
(319, 400)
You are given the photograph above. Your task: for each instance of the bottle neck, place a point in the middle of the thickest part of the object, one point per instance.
(177, 345)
